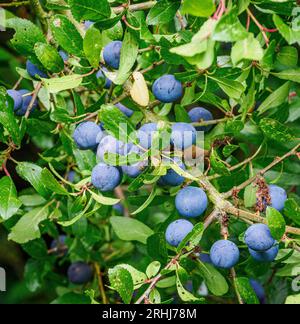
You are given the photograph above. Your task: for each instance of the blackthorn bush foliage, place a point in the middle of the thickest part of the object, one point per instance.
(150, 151)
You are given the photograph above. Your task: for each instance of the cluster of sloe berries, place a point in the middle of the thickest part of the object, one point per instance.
(22, 98)
(192, 202)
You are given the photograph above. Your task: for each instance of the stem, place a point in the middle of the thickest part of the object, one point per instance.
(227, 207)
(156, 279)
(134, 7)
(15, 4)
(41, 14)
(5, 169)
(220, 10)
(100, 283)
(248, 22)
(124, 19)
(262, 172)
(244, 214)
(233, 275)
(261, 27)
(152, 66)
(237, 166)
(210, 122)
(120, 194)
(211, 218)
(35, 94)
(16, 86)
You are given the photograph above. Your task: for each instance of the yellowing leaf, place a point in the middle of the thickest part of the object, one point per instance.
(139, 91)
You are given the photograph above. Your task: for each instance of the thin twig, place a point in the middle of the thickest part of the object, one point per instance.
(156, 279)
(15, 4)
(210, 122)
(237, 166)
(100, 283)
(262, 172)
(134, 7)
(238, 295)
(261, 27)
(120, 194)
(5, 169)
(41, 14)
(33, 99)
(152, 66)
(16, 86)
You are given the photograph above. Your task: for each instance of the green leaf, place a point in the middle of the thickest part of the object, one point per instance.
(182, 172)
(33, 174)
(128, 57)
(215, 282)
(204, 60)
(287, 57)
(217, 164)
(9, 202)
(121, 281)
(34, 274)
(247, 49)
(276, 223)
(85, 160)
(129, 229)
(163, 12)
(198, 8)
(90, 9)
(153, 269)
(80, 215)
(229, 149)
(184, 294)
(51, 183)
(233, 89)
(234, 126)
(109, 23)
(199, 42)
(181, 115)
(293, 300)
(49, 57)
(119, 160)
(248, 101)
(57, 5)
(91, 293)
(147, 202)
(267, 62)
(137, 276)
(246, 291)
(292, 36)
(192, 239)
(275, 99)
(250, 196)
(36, 249)
(157, 247)
(276, 131)
(243, 5)
(66, 35)
(292, 210)
(155, 297)
(92, 46)
(290, 74)
(104, 200)
(229, 28)
(27, 228)
(26, 36)
(67, 82)
(116, 123)
(7, 117)
(72, 298)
